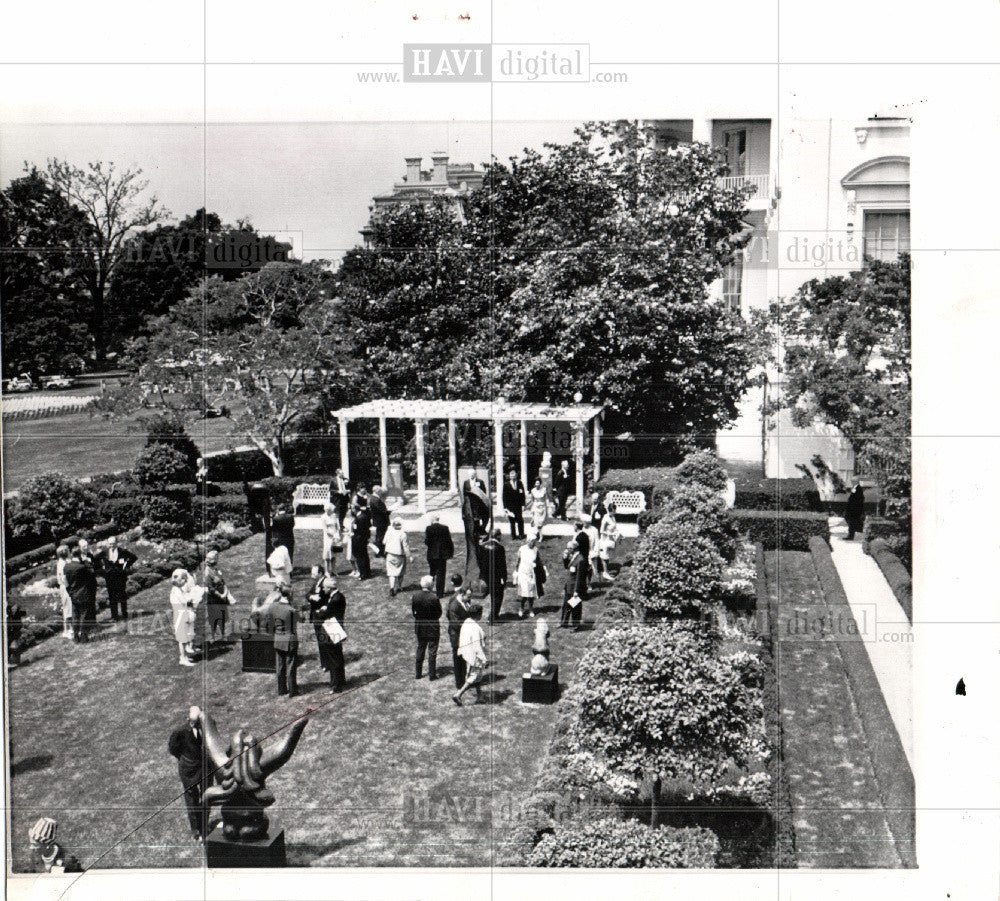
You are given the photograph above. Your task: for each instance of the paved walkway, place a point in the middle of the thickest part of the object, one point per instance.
(875, 606)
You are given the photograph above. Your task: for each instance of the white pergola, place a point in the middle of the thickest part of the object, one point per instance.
(497, 412)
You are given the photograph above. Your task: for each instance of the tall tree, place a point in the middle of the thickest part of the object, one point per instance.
(41, 287)
(115, 205)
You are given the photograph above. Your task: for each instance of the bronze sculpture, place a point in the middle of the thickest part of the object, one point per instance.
(242, 770)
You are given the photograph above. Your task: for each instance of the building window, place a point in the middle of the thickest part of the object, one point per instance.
(887, 235)
(736, 152)
(732, 286)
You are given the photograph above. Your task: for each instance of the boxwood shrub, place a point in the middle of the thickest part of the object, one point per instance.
(210, 511)
(705, 510)
(786, 531)
(895, 574)
(777, 494)
(624, 843)
(675, 570)
(703, 468)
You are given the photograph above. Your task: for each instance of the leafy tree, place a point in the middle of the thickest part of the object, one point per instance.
(52, 506)
(114, 204)
(41, 288)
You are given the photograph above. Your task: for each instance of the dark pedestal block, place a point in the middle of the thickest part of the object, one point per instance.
(258, 653)
(541, 689)
(221, 853)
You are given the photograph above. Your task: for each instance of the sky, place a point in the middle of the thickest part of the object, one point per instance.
(314, 180)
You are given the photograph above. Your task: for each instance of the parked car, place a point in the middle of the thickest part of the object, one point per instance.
(58, 381)
(19, 383)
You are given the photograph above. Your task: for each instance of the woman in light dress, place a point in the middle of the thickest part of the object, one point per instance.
(524, 577)
(65, 604)
(346, 533)
(185, 596)
(540, 506)
(397, 553)
(331, 538)
(609, 539)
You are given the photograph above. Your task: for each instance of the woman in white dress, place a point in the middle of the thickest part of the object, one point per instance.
(397, 553)
(524, 577)
(331, 538)
(347, 532)
(609, 538)
(539, 507)
(65, 604)
(185, 596)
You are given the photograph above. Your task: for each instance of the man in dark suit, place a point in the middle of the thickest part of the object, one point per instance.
(426, 620)
(561, 488)
(379, 513)
(113, 563)
(493, 568)
(513, 502)
(440, 549)
(187, 744)
(359, 541)
(475, 516)
(328, 602)
(597, 511)
(81, 584)
(281, 621)
(283, 530)
(458, 613)
(582, 540)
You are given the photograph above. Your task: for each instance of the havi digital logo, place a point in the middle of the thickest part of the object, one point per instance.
(447, 62)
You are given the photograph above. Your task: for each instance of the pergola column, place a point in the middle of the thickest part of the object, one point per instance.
(345, 463)
(597, 448)
(498, 456)
(421, 467)
(383, 447)
(579, 449)
(524, 453)
(452, 457)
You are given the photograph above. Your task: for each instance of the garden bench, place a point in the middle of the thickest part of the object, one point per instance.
(310, 495)
(627, 503)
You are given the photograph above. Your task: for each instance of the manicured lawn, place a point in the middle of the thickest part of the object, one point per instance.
(390, 773)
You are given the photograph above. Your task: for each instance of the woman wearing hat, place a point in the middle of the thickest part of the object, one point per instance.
(185, 596)
(397, 553)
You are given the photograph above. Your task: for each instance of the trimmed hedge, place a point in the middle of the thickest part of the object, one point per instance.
(777, 494)
(210, 511)
(650, 480)
(785, 531)
(625, 843)
(895, 574)
(879, 527)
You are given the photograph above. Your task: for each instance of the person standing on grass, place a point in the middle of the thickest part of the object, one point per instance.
(575, 589)
(113, 563)
(62, 558)
(597, 510)
(608, 540)
(281, 620)
(440, 549)
(331, 538)
(359, 542)
(279, 565)
(539, 508)
(561, 488)
(854, 512)
(347, 533)
(283, 531)
(524, 577)
(187, 744)
(513, 499)
(396, 548)
(472, 648)
(81, 583)
(379, 513)
(594, 555)
(458, 613)
(217, 596)
(327, 602)
(426, 607)
(185, 597)
(494, 570)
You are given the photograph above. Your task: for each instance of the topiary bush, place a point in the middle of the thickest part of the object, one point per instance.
(169, 431)
(705, 510)
(167, 514)
(160, 465)
(625, 843)
(50, 506)
(675, 570)
(777, 494)
(786, 531)
(702, 468)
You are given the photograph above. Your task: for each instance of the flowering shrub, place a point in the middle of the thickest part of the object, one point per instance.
(656, 699)
(51, 506)
(675, 570)
(702, 468)
(737, 584)
(617, 843)
(167, 515)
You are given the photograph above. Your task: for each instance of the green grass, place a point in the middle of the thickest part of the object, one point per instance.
(390, 773)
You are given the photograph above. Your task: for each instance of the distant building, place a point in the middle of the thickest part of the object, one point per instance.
(450, 180)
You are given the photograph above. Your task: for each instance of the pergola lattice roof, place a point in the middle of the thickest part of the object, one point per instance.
(495, 411)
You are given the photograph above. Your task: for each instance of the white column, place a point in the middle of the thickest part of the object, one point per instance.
(498, 459)
(597, 447)
(452, 457)
(524, 453)
(383, 447)
(421, 467)
(701, 130)
(345, 463)
(580, 443)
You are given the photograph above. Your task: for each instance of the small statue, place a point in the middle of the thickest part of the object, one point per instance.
(545, 472)
(540, 649)
(52, 856)
(242, 770)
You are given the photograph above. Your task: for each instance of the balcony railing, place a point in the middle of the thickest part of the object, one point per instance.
(760, 183)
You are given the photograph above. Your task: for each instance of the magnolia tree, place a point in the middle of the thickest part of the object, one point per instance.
(269, 352)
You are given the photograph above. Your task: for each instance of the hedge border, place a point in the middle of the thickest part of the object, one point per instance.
(895, 574)
(893, 776)
(776, 529)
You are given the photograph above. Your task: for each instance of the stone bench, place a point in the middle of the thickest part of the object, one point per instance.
(627, 503)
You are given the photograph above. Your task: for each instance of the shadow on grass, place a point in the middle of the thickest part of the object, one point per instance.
(31, 764)
(305, 853)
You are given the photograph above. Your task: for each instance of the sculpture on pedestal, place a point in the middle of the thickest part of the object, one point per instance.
(540, 649)
(242, 770)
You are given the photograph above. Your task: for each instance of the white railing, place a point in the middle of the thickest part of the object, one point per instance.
(760, 183)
